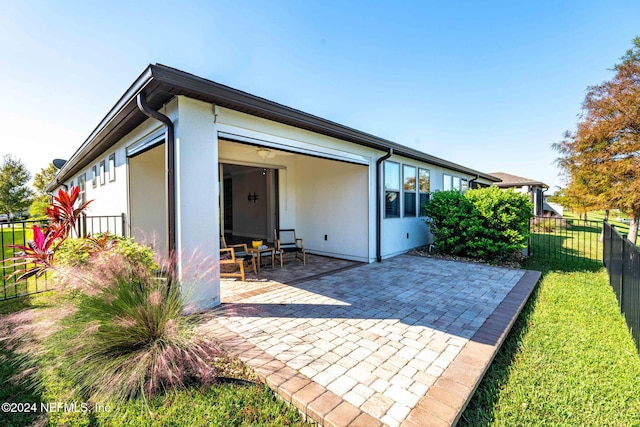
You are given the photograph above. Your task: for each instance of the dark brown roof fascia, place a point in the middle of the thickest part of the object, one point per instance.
(97, 141)
(521, 184)
(170, 82)
(226, 96)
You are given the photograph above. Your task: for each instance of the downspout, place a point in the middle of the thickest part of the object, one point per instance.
(379, 205)
(170, 155)
(471, 181)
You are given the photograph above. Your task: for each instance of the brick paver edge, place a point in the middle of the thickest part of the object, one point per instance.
(313, 401)
(443, 403)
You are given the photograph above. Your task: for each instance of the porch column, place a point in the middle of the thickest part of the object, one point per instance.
(197, 214)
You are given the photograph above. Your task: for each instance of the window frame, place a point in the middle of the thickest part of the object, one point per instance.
(456, 183)
(407, 212)
(103, 172)
(82, 185)
(94, 178)
(389, 190)
(447, 179)
(421, 204)
(112, 167)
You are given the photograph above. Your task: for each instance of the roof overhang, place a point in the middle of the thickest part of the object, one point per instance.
(521, 184)
(161, 84)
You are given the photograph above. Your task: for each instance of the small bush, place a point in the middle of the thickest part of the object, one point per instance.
(76, 252)
(129, 338)
(488, 224)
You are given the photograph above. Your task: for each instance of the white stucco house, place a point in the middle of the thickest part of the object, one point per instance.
(187, 159)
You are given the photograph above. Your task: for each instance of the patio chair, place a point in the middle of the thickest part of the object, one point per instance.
(229, 265)
(286, 241)
(240, 253)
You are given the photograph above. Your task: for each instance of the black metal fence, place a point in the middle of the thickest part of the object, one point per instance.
(20, 232)
(565, 240)
(113, 224)
(622, 259)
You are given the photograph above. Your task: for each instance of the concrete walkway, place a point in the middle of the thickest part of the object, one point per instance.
(402, 342)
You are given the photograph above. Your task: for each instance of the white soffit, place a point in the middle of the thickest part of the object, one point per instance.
(284, 144)
(147, 142)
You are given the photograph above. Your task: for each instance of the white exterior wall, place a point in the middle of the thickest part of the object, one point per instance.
(109, 197)
(147, 199)
(332, 200)
(317, 196)
(197, 195)
(112, 196)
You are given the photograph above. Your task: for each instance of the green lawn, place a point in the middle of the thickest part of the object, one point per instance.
(224, 404)
(15, 235)
(566, 240)
(599, 216)
(569, 360)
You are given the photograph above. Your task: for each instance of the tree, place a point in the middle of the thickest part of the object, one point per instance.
(15, 195)
(602, 156)
(42, 199)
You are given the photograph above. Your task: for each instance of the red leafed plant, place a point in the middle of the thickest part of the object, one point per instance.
(37, 257)
(63, 214)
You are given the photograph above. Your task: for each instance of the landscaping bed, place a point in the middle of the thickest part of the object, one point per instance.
(28, 376)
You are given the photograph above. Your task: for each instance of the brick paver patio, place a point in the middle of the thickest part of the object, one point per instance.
(402, 342)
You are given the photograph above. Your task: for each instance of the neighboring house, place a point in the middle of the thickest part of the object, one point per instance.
(552, 208)
(535, 189)
(187, 159)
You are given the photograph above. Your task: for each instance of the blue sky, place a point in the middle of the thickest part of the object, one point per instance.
(490, 85)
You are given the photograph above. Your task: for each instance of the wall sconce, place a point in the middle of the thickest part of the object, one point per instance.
(252, 197)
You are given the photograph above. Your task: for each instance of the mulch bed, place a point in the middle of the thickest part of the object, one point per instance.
(516, 261)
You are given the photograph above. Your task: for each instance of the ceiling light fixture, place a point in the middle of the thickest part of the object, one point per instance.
(265, 153)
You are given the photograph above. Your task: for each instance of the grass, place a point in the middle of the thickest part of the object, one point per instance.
(599, 216)
(26, 322)
(569, 360)
(567, 240)
(16, 234)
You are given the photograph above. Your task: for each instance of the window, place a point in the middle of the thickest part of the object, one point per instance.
(102, 172)
(391, 190)
(446, 182)
(465, 185)
(83, 188)
(112, 167)
(94, 176)
(409, 187)
(456, 183)
(424, 187)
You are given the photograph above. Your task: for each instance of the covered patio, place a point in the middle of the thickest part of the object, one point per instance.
(402, 342)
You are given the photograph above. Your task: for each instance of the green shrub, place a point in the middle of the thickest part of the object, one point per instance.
(76, 252)
(488, 224)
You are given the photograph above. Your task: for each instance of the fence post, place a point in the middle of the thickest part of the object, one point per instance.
(124, 223)
(622, 272)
